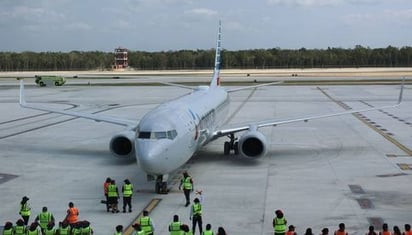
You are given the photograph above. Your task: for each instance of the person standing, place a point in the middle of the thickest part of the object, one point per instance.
(20, 228)
(291, 230)
(174, 227)
(371, 231)
(385, 230)
(113, 195)
(221, 231)
(187, 183)
(44, 218)
(341, 230)
(324, 231)
(105, 190)
(407, 230)
(72, 214)
(146, 223)
(208, 230)
(196, 215)
(25, 209)
(279, 223)
(138, 229)
(127, 190)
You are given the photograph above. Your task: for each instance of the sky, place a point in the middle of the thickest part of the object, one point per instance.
(164, 25)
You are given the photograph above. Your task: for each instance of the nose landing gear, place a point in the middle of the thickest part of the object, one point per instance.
(161, 184)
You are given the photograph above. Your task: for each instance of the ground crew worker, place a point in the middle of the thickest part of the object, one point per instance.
(49, 230)
(146, 223)
(221, 231)
(186, 230)
(20, 228)
(187, 183)
(44, 218)
(33, 229)
(325, 231)
(396, 230)
(341, 230)
(76, 228)
(407, 230)
(8, 228)
(138, 229)
(127, 190)
(86, 229)
(279, 223)
(385, 230)
(119, 230)
(72, 214)
(291, 230)
(25, 209)
(64, 228)
(208, 230)
(371, 231)
(196, 215)
(105, 190)
(113, 195)
(174, 227)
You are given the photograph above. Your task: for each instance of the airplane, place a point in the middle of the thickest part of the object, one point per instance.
(166, 137)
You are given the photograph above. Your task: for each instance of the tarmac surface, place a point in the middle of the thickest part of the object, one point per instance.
(354, 169)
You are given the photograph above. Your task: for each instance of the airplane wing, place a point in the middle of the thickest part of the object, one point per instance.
(275, 122)
(96, 117)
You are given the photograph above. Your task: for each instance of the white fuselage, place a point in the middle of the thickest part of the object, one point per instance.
(168, 135)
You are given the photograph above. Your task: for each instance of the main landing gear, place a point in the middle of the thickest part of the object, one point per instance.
(232, 144)
(161, 184)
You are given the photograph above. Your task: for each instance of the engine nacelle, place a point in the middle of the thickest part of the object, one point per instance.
(252, 144)
(122, 145)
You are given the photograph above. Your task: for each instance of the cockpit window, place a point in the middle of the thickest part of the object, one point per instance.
(157, 135)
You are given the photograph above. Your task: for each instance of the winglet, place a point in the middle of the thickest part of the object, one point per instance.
(216, 79)
(22, 100)
(401, 92)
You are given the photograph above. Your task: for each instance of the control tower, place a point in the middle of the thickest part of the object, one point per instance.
(120, 58)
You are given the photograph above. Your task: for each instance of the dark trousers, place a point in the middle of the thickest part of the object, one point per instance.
(197, 219)
(107, 202)
(25, 219)
(127, 201)
(187, 196)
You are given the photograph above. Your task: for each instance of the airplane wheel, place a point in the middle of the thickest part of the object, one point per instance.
(157, 187)
(42, 84)
(226, 149)
(236, 148)
(56, 84)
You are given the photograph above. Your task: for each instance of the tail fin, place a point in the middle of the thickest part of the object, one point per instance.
(216, 79)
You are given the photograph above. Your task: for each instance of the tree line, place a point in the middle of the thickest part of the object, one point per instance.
(204, 59)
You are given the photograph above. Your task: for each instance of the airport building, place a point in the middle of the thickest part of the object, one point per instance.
(120, 58)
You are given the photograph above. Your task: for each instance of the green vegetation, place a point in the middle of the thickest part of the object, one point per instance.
(204, 59)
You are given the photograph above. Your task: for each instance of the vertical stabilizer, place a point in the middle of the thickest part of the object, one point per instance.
(216, 79)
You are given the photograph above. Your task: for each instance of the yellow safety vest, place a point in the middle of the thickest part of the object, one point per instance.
(127, 190)
(186, 183)
(25, 209)
(111, 191)
(174, 228)
(146, 224)
(8, 231)
(19, 230)
(197, 209)
(280, 225)
(44, 218)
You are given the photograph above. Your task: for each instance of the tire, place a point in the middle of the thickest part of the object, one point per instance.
(42, 83)
(56, 84)
(226, 149)
(236, 148)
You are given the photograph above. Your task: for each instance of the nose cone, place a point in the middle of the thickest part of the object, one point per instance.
(151, 157)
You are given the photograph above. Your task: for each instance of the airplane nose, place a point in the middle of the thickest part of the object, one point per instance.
(150, 157)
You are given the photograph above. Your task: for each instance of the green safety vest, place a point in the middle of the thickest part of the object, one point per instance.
(118, 233)
(127, 190)
(19, 230)
(139, 233)
(25, 209)
(64, 231)
(44, 218)
(280, 225)
(146, 224)
(174, 228)
(76, 231)
(208, 232)
(111, 191)
(188, 233)
(50, 232)
(8, 231)
(197, 209)
(186, 183)
(35, 232)
(86, 231)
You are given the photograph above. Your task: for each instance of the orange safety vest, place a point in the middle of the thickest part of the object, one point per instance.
(408, 232)
(73, 213)
(337, 232)
(385, 233)
(290, 233)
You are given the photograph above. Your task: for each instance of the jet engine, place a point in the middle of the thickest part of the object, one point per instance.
(122, 144)
(252, 144)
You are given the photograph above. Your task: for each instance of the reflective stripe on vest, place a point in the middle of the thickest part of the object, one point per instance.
(44, 219)
(197, 209)
(127, 190)
(35, 232)
(145, 224)
(49, 232)
(111, 191)
(86, 231)
(280, 225)
(186, 183)
(64, 231)
(19, 230)
(208, 232)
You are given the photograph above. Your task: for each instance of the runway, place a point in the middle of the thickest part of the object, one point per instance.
(354, 169)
